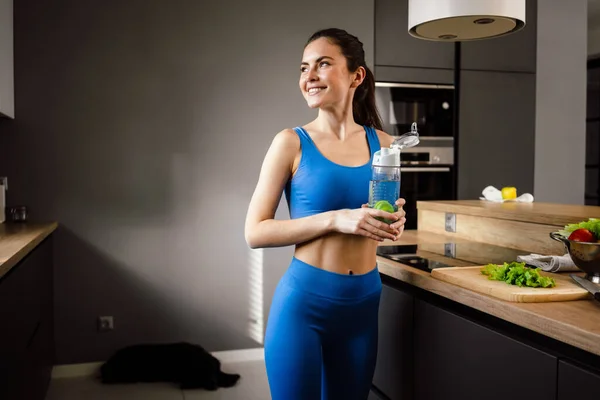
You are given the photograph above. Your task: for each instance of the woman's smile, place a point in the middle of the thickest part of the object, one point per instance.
(316, 90)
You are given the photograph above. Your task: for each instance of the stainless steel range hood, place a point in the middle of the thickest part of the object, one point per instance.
(464, 20)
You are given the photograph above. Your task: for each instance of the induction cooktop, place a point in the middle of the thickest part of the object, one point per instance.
(471, 253)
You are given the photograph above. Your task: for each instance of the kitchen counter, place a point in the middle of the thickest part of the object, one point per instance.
(541, 213)
(18, 239)
(523, 226)
(576, 323)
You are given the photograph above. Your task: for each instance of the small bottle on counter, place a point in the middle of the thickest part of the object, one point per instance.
(17, 214)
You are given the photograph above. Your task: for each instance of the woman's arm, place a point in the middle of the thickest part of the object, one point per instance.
(262, 230)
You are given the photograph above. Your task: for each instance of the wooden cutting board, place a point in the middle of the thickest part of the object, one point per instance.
(471, 278)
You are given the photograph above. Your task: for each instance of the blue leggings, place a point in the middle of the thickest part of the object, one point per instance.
(321, 337)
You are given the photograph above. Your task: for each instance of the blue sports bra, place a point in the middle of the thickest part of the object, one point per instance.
(321, 185)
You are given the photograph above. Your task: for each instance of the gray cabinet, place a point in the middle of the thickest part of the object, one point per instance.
(515, 52)
(394, 47)
(27, 334)
(393, 373)
(7, 102)
(575, 382)
(496, 132)
(374, 396)
(456, 358)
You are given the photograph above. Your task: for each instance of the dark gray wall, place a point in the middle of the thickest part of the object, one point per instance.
(561, 102)
(7, 103)
(497, 128)
(141, 127)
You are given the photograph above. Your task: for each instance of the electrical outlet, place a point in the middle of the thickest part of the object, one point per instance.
(450, 219)
(105, 324)
(450, 250)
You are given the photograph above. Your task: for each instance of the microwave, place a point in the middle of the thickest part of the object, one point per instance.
(431, 106)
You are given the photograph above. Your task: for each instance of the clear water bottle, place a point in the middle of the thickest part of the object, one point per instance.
(385, 179)
(384, 187)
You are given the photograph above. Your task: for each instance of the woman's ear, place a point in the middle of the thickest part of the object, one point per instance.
(359, 76)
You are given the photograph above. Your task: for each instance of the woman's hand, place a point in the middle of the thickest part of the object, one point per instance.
(361, 221)
(401, 217)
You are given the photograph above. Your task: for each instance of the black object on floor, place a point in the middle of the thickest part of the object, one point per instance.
(186, 364)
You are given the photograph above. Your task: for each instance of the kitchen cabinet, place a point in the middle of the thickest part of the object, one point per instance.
(7, 102)
(496, 132)
(456, 358)
(27, 334)
(514, 52)
(575, 382)
(374, 396)
(394, 47)
(393, 373)
(414, 75)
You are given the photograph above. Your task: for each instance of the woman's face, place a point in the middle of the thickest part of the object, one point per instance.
(324, 76)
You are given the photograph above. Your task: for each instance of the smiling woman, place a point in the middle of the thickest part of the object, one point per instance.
(321, 336)
(326, 60)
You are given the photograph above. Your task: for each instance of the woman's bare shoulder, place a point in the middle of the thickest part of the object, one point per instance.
(287, 138)
(385, 140)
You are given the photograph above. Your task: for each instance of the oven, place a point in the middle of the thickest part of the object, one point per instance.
(430, 106)
(427, 170)
(427, 173)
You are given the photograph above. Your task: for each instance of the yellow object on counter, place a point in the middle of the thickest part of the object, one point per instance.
(509, 193)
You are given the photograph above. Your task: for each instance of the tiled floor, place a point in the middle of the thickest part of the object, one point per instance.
(253, 385)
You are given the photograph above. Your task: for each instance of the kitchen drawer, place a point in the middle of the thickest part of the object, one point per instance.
(20, 305)
(394, 370)
(374, 396)
(456, 358)
(575, 382)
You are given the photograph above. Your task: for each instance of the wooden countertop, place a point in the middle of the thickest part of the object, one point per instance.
(542, 213)
(573, 322)
(18, 239)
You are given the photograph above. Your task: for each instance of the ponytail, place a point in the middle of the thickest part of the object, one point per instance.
(363, 104)
(364, 107)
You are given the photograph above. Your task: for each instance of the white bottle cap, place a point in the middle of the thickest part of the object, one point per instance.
(387, 157)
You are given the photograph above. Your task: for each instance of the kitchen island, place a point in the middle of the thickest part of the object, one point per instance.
(573, 322)
(441, 341)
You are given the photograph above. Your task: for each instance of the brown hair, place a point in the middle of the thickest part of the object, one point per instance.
(364, 108)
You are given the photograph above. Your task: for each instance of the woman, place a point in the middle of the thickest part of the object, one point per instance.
(321, 337)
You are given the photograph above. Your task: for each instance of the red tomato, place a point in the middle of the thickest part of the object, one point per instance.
(582, 235)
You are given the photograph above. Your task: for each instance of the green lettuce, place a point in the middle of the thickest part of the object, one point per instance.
(593, 224)
(516, 273)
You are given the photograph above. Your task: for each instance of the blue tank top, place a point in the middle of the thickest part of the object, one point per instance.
(321, 185)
